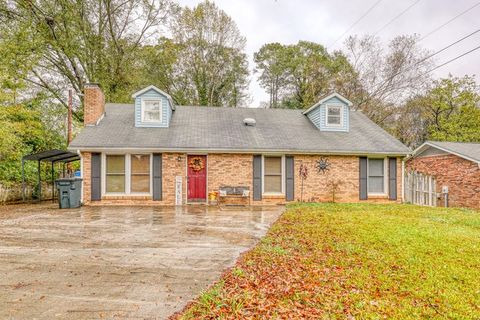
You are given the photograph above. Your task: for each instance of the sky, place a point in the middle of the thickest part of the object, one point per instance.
(322, 21)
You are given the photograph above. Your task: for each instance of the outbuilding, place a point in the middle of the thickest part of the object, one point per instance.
(455, 167)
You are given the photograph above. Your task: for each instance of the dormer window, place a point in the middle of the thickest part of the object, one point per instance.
(151, 111)
(334, 116)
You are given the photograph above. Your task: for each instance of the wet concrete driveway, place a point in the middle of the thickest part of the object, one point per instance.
(117, 262)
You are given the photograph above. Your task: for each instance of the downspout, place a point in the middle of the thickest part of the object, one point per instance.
(81, 174)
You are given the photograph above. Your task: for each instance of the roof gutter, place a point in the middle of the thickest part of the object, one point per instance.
(237, 151)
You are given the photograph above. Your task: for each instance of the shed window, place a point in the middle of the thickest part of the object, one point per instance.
(334, 115)
(140, 173)
(115, 173)
(272, 174)
(376, 176)
(151, 111)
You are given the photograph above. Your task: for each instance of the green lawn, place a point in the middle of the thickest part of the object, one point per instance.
(361, 261)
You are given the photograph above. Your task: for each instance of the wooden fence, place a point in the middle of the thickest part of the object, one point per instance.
(420, 189)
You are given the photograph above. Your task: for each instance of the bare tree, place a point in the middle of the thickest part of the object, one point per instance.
(388, 76)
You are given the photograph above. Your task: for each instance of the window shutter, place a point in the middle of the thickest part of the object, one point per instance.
(257, 177)
(157, 177)
(392, 178)
(289, 178)
(363, 178)
(96, 174)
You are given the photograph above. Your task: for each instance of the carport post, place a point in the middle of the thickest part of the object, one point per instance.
(39, 183)
(23, 180)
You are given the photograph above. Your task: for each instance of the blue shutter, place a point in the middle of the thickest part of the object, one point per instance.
(363, 178)
(289, 178)
(257, 177)
(392, 178)
(96, 174)
(157, 177)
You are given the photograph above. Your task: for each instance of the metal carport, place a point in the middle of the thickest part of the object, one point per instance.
(53, 156)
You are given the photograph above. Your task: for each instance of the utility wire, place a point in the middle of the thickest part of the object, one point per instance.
(452, 19)
(450, 45)
(396, 17)
(451, 60)
(430, 56)
(356, 22)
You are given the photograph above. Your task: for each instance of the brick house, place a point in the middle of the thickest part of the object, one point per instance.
(154, 152)
(455, 165)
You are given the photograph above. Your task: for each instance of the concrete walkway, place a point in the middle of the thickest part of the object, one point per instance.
(117, 262)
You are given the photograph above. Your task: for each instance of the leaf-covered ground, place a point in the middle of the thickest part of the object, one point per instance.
(354, 261)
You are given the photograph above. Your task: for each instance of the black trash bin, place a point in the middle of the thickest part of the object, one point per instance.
(69, 192)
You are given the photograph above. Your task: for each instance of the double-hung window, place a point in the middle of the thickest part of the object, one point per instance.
(376, 176)
(140, 173)
(115, 174)
(127, 174)
(334, 115)
(272, 174)
(151, 111)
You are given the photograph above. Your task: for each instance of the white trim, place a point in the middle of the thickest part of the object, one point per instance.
(152, 87)
(150, 193)
(282, 168)
(81, 174)
(342, 110)
(426, 144)
(128, 176)
(385, 177)
(206, 177)
(334, 94)
(142, 109)
(237, 151)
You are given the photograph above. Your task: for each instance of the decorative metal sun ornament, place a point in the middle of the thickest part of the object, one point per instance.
(323, 165)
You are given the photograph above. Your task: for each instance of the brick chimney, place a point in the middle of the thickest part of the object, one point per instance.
(93, 104)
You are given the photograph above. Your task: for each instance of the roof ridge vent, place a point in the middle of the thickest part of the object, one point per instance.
(249, 122)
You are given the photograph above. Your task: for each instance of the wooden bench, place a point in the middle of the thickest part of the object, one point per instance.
(239, 192)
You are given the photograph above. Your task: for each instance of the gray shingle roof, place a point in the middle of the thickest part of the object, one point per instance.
(222, 129)
(467, 150)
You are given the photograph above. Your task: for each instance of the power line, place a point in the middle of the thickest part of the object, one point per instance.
(451, 60)
(452, 19)
(396, 17)
(430, 56)
(450, 45)
(356, 22)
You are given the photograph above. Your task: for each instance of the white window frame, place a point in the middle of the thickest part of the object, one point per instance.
(282, 157)
(385, 177)
(128, 176)
(342, 110)
(142, 110)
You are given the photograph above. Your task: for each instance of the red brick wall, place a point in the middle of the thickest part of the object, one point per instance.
(93, 104)
(460, 175)
(237, 170)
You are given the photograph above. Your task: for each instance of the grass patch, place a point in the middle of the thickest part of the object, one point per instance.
(364, 261)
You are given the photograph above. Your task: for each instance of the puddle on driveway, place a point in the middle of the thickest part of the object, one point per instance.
(123, 262)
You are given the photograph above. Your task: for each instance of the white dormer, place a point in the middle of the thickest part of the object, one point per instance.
(331, 113)
(153, 108)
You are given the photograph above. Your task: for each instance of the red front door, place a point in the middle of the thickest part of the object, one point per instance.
(197, 178)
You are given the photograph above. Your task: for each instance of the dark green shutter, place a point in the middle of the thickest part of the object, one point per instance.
(289, 178)
(157, 177)
(392, 178)
(363, 178)
(257, 177)
(96, 174)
